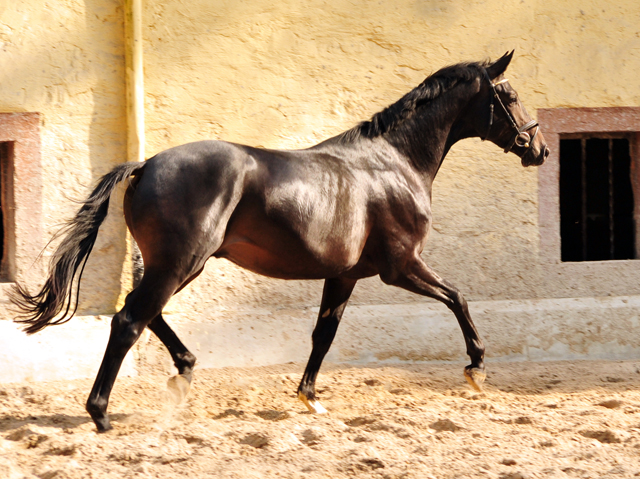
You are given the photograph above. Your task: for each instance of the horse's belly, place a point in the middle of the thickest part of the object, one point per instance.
(288, 246)
(286, 260)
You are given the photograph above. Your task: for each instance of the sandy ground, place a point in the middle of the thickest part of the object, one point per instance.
(534, 420)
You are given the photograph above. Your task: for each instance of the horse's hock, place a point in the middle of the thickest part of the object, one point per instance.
(287, 76)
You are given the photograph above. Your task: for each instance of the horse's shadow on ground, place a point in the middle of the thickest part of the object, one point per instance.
(527, 378)
(10, 422)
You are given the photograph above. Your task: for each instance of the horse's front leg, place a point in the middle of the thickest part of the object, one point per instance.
(419, 278)
(335, 295)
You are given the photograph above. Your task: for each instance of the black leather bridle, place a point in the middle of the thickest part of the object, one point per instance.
(521, 137)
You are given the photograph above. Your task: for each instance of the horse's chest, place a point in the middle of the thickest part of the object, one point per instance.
(406, 211)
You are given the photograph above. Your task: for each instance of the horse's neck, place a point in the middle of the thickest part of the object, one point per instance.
(426, 139)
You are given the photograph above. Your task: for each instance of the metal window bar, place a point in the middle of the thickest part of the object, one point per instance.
(583, 204)
(3, 160)
(612, 245)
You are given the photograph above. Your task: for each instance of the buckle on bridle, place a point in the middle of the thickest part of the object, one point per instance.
(522, 138)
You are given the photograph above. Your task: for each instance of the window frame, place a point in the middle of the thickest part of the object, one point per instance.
(22, 198)
(561, 123)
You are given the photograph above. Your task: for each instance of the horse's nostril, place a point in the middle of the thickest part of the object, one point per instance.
(547, 152)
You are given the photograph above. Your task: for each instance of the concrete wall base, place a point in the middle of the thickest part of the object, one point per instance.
(546, 329)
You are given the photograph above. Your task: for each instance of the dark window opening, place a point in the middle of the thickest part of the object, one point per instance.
(4, 159)
(596, 199)
(6, 210)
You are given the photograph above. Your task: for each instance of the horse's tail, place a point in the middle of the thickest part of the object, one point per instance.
(56, 296)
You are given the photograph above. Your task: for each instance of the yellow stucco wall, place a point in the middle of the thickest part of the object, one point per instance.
(64, 59)
(291, 73)
(288, 74)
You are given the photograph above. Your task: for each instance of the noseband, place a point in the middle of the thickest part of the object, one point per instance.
(521, 137)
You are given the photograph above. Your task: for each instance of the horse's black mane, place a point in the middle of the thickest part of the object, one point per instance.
(430, 89)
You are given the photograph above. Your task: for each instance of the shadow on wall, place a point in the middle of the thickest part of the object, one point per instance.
(107, 144)
(84, 94)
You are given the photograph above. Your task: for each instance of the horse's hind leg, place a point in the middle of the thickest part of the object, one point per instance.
(335, 295)
(183, 359)
(141, 306)
(420, 278)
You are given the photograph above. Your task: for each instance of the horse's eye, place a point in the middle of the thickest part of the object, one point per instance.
(512, 97)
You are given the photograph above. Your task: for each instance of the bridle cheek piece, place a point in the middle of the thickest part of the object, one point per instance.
(521, 137)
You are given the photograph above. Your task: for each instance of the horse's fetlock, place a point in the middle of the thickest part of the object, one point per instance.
(96, 406)
(307, 392)
(475, 350)
(187, 359)
(185, 363)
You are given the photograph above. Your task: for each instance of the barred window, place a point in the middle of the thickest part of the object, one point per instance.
(596, 198)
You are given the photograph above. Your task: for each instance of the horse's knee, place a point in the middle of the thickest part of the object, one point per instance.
(457, 300)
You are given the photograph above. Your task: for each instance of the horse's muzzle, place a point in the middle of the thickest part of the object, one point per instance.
(530, 158)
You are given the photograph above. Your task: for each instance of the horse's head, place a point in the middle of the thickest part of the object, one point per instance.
(507, 123)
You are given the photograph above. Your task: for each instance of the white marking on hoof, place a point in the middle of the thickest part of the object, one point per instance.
(475, 378)
(313, 406)
(178, 388)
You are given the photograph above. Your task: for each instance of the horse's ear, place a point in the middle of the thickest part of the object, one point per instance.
(499, 66)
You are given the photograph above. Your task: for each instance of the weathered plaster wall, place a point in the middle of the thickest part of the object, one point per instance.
(288, 74)
(64, 59)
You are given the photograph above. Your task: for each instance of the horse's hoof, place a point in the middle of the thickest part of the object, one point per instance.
(313, 406)
(178, 388)
(475, 377)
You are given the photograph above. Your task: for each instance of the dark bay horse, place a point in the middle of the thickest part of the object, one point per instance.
(353, 206)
